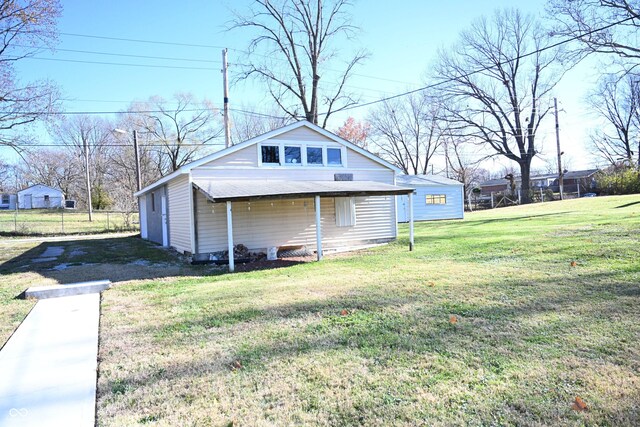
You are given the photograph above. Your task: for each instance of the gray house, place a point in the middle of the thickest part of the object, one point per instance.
(7, 201)
(40, 196)
(297, 186)
(436, 197)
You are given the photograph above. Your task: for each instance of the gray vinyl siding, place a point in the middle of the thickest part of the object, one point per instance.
(262, 224)
(453, 209)
(179, 213)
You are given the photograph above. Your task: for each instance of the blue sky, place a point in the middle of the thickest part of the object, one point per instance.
(402, 38)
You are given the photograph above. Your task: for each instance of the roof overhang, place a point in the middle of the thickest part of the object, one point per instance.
(216, 190)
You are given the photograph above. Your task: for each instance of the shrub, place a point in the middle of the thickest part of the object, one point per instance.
(100, 198)
(621, 181)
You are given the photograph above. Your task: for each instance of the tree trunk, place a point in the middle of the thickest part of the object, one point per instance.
(525, 185)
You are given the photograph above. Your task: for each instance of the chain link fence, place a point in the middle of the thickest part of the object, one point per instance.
(63, 221)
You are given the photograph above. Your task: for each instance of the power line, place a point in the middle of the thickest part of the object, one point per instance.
(166, 43)
(91, 52)
(142, 41)
(192, 110)
(121, 64)
(122, 145)
(486, 68)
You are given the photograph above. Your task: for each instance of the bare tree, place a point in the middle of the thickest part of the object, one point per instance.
(296, 41)
(407, 131)
(246, 125)
(88, 139)
(580, 19)
(462, 167)
(616, 101)
(52, 167)
(181, 129)
(497, 95)
(7, 177)
(25, 25)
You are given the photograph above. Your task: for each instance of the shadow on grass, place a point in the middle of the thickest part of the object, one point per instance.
(627, 205)
(117, 259)
(470, 223)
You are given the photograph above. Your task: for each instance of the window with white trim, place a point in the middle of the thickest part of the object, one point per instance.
(314, 156)
(270, 154)
(334, 156)
(436, 199)
(292, 155)
(345, 211)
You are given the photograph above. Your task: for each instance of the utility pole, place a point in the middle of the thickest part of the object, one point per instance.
(86, 168)
(137, 156)
(560, 173)
(225, 82)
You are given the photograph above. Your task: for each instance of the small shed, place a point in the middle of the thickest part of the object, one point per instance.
(435, 197)
(40, 196)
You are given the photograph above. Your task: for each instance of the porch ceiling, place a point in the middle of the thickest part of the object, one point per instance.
(217, 190)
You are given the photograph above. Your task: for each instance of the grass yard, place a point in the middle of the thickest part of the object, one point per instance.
(49, 222)
(503, 318)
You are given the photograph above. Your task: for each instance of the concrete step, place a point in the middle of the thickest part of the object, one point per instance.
(55, 291)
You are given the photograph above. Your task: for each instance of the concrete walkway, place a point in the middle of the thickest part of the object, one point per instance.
(48, 367)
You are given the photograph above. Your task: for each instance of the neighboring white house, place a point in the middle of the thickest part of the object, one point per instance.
(7, 201)
(435, 198)
(40, 197)
(299, 185)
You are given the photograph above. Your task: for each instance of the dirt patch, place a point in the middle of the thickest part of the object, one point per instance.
(264, 264)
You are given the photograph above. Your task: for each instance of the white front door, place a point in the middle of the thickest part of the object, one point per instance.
(165, 231)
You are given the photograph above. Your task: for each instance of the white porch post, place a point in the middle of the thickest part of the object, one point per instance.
(318, 229)
(230, 237)
(410, 221)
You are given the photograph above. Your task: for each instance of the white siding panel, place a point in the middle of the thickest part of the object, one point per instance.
(454, 209)
(179, 216)
(357, 160)
(296, 174)
(303, 134)
(262, 224)
(247, 157)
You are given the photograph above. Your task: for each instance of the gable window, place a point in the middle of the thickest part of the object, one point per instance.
(292, 155)
(436, 199)
(314, 156)
(334, 156)
(270, 154)
(345, 211)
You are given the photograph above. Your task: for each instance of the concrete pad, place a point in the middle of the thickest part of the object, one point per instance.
(48, 368)
(45, 259)
(55, 291)
(52, 251)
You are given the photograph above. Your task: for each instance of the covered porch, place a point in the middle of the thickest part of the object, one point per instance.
(226, 192)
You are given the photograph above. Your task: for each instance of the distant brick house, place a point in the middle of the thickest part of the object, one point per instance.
(582, 181)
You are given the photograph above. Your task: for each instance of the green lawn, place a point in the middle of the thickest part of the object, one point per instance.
(63, 221)
(276, 348)
(545, 300)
